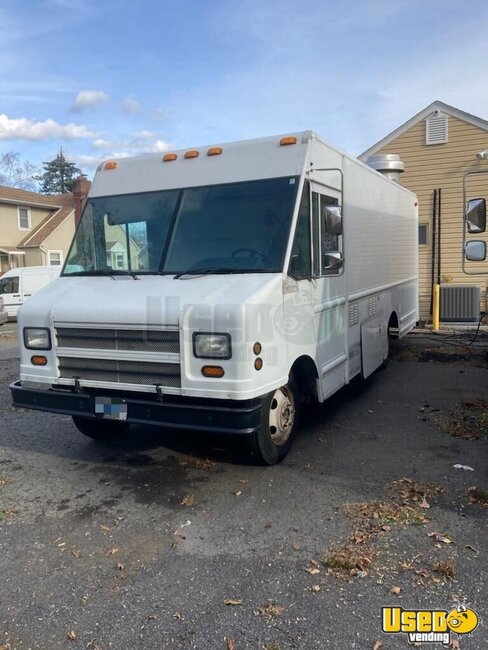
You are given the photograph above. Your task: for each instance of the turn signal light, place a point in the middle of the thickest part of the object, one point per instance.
(258, 364)
(213, 371)
(111, 164)
(193, 153)
(168, 157)
(289, 139)
(38, 360)
(257, 347)
(214, 151)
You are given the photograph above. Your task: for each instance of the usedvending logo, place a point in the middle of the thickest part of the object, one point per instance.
(429, 625)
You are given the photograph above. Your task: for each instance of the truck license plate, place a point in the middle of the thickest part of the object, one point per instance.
(112, 408)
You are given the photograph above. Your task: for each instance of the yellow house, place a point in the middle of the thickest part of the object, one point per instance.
(35, 229)
(438, 146)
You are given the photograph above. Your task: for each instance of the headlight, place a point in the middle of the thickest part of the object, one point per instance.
(211, 346)
(37, 338)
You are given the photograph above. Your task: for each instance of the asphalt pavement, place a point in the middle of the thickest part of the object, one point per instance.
(169, 540)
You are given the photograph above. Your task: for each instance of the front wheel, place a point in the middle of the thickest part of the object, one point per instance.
(99, 428)
(279, 413)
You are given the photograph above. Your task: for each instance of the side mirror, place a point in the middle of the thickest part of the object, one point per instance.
(475, 251)
(332, 261)
(333, 219)
(475, 215)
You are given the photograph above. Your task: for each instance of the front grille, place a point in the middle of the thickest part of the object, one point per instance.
(141, 340)
(118, 371)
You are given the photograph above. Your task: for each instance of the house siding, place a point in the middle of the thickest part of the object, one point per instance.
(10, 234)
(430, 167)
(60, 239)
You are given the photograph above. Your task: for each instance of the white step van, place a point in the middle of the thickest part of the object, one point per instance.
(18, 285)
(220, 288)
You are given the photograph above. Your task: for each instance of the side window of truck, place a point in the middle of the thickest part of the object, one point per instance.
(323, 242)
(301, 262)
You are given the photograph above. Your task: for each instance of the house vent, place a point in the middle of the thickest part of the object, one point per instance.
(436, 128)
(460, 303)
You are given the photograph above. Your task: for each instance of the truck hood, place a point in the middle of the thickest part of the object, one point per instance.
(150, 300)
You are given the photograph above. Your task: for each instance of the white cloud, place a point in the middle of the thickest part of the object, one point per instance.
(139, 144)
(129, 105)
(88, 99)
(24, 129)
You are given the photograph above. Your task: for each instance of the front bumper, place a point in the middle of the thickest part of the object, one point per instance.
(211, 415)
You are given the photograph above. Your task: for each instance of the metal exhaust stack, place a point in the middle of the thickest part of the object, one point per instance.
(388, 164)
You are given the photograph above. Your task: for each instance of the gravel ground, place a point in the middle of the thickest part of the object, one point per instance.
(141, 544)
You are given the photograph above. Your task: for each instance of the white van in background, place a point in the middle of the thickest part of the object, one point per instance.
(17, 285)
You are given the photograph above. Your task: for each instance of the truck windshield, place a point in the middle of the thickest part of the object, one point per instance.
(239, 227)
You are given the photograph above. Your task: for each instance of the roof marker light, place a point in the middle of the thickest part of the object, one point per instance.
(193, 153)
(214, 151)
(111, 164)
(289, 139)
(168, 157)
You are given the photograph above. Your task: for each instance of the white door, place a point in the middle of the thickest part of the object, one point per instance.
(329, 290)
(10, 290)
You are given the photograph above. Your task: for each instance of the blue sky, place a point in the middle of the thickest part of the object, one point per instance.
(119, 77)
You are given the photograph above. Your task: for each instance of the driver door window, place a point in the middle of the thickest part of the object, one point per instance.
(323, 241)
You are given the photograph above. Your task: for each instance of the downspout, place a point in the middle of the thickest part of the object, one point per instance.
(432, 278)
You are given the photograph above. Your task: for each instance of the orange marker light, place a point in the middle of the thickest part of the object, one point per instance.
(38, 360)
(111, 164)
(214, 151)
(168, 157)
(213, 371)
(289, 139)
(258, 364)
(257, 347)
(193, 153)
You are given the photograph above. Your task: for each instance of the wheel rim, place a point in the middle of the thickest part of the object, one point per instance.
(281, 415)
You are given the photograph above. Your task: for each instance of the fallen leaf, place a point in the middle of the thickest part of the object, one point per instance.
(112, 551)
(71, 635)
(270, 610)
(395, 591)
(153, 617)
(296, 547)
(455, 644)
(378, 645)
(231, 644)
(244, 480)
(424, 504)
(315, 588)
(238, 493)
(233, 602)
(471, 548)
(104, 527)
(440, 537)
(189, 501)
(177, 616)
(76, 554)
(120, 566)
(312, 570)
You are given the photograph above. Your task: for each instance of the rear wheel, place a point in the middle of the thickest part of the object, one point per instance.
(279, 411)
(100, 429)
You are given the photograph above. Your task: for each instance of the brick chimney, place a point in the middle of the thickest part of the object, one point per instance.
(80, 192)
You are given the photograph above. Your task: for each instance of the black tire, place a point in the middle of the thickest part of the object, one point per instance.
(100, 429)
(270, 445)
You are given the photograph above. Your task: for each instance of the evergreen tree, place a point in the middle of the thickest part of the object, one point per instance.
(58, 176)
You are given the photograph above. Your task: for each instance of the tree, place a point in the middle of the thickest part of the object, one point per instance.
(15, 172)
(58, 176)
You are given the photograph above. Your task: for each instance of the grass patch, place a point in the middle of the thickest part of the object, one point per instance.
(415, 491)
(468, 420)
(478, 495)
(445, 568)
(348, 558)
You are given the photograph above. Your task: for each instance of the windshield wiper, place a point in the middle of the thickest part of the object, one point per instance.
(214, 270)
